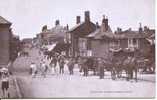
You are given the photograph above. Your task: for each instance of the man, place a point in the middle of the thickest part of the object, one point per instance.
(71, 66)
(5, 84)
(61, 66)
(101, 68)
(53, 63)
(44, 68)
(85, 67)
(33, 69)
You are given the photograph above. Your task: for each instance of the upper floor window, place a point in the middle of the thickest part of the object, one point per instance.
(82, 43)
(132, 43)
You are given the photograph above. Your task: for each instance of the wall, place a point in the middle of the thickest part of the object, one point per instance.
(100, 48)
(4, 44)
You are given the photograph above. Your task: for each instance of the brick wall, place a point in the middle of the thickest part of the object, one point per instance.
(4, 44)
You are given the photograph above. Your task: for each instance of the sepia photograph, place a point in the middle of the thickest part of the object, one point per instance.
(77, 49)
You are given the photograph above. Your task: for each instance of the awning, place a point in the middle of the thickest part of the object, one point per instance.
(51, 47)
(115, 50)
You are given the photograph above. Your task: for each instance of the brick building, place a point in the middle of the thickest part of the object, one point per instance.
(77, 33)
(5, 36)
(103, 40)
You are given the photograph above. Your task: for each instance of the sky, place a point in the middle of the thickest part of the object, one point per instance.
(28, 16)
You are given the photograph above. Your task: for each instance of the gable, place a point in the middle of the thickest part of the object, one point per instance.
(84, 29)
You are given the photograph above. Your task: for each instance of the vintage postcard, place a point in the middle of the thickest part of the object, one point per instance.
(77, 49)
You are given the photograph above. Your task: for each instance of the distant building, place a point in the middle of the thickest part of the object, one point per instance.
(5, 37)
(55, 34)
(76, 35)
(103, 40)
(99, 44)
(26, 44)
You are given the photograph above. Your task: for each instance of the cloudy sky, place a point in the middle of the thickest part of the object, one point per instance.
(28, 16)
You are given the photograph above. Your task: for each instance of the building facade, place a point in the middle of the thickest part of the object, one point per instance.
(77, 35)
(5, 37)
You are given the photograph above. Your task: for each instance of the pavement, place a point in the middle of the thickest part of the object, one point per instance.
(72, 86)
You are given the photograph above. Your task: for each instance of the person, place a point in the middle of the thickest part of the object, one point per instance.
(71, 66)
(101, 68)
(30, 69)
(85, 67)
(95, 63)
(5, 84)
(53, 63)
(61, 66)
(33, 69)
(44, 68)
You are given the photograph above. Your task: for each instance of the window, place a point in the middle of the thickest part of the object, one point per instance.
(82, 44)
(132, 43)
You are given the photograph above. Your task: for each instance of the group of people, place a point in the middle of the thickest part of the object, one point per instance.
(85, 64)
(51, 65)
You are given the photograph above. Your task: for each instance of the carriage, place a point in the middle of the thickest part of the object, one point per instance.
(123, 64)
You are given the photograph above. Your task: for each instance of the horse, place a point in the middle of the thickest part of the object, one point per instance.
(124, 61)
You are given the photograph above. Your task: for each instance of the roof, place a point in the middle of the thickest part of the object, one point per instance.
(133, 34)
(97, 34)
(76, 26)
(123, 35)
(55, 31)
(4, 21)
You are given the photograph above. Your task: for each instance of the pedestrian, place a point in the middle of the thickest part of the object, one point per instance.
(95, 64)
(44, 68)
(101, 68)
(54, 63)
(30, 69)
(5, 84)
(85, 67)
(61, 66)
(71, 66)
(33, 69)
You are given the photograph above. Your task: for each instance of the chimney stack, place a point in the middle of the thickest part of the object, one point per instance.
(87, 16)
(67, 27)
(104, 24)
(57, 22)
(78, 19)
(140, 28)
(97, 25)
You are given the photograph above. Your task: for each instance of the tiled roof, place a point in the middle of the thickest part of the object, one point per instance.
(4, 21)
(76, 26)
(97, 34)
(133, 34)
(125, 34)
(57, 31)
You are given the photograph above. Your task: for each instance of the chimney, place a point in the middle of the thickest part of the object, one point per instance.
(104, 24)
(67, 27)
(87, 16)
(57, 22)
(146, 28)
(119, 30)
(78, 19)
(97, 25)
(129, 29)
(44, 28)
(140, 28)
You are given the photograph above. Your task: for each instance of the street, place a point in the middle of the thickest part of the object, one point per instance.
(65, 85)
